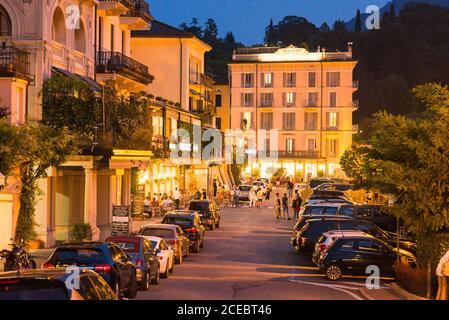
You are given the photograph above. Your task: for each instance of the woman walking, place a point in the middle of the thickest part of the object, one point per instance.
(277, 206)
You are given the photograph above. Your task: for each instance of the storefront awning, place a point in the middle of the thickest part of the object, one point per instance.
(93, 85)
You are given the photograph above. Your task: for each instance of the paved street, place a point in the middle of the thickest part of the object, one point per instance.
(250, 257)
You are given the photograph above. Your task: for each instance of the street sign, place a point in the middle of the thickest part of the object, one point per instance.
(120, 220)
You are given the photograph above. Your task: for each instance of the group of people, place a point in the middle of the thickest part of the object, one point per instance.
(282, 205)
(162, 202)
(259, 196)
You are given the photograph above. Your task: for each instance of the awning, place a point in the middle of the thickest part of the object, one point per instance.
(93, 85)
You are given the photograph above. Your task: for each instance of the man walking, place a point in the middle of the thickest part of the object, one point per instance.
(285, 207)
(236, 197)
(277, 206)
(177, 198)
(290, 188)
(297, 206)
(215, 188)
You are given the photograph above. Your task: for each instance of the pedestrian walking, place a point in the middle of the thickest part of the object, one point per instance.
(215, 188)
(277, 206)
(260, 197)
(278, 184)
(442, 273)
(290, 188)
(267, 197)
(285, 212)
(297, 206)
(177, 198)
(236, 197)
(204, 193)
(252, 197)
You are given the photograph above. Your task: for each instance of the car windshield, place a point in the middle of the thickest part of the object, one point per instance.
(245, 188)
(180, 221)
(78, 256)
(201, 207)
(158, 232)
(128, 246)
(32, 290)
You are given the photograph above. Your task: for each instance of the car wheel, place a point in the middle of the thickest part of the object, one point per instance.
(202, 244)
(218, 224)
(171, 268)
(196, 248)
(333, 272)
(212, 227)
(157, 278)
(165, 273)
(146, 281)
(178, 259)
(131, 293)
(187, 251)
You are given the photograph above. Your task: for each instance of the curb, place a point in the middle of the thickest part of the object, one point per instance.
(409, 296)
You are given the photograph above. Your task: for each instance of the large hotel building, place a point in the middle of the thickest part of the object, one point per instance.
(306, 96)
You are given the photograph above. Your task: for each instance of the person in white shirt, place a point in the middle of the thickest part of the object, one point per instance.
(442, 268)
(252, 198)
(177, 198)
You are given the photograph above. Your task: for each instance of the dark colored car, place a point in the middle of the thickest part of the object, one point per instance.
(313, 183)
(307, 237)
(244, 192)
(106, 259)
(143, 256)
(173, 235)
(209, 212)
(190, 222)
(352, 255)
(54, 284)
(303, 220)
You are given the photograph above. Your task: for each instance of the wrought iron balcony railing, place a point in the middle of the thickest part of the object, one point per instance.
(306, 154)
(126, 3)
(14, 62)
(140, 9)
(116, 62)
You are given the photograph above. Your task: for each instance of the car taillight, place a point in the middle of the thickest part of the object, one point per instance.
(103, 268)
(192, 230)
(173, 242)
(139, 263)
(47, 265)
(323, 247)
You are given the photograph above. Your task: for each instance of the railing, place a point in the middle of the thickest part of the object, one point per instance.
(306, 154)
(140, 9)
(201, 79)
(266, 103)
(338, 56)
(311, 103)
(116, 62)
(126, 3)
(14, 62)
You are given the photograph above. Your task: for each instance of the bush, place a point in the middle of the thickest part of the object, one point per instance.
(412, 279)
(81, 231)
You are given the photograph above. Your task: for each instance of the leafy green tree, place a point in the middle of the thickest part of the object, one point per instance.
(358, 22)
(8, 149)
(408, 158)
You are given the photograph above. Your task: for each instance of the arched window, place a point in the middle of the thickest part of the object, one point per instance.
(58, 26)
(80, 38)
(5, 23)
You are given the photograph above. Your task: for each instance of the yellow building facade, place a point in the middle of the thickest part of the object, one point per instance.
(307, 97)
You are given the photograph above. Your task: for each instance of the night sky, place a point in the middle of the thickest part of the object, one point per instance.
(247, 19)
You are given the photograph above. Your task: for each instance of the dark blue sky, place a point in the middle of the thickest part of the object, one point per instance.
(248, 18)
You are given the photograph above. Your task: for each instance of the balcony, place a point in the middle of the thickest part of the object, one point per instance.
(138, 17)
(311, 103)
(201, 79)
(306, 154)
(266, 104)
(115, 7)
(118, 63)
(14, 63)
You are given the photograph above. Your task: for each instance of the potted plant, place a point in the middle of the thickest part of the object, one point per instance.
(81, 232)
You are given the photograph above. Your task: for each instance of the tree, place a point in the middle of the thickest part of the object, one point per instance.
(392, 12)
(210, 31)
(358, 22)
(270, 34)
(39, 148)
(8, 150)
(408, 158)
(194, 28)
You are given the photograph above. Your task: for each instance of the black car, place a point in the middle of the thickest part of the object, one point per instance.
(54, 284)
(143, 256)
(313, 229)
(353, 255)
(374, 213)
(106, 259)
(209, 212)
(303, 220)
(190, 222)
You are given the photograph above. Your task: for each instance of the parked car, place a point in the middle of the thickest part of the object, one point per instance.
(244, 192)
(334, 187)
(352, 255)
(143, 256)
(209, 212)
(106, 259)
(319, 199)
(324, 208)
(190, 222)
(303, 220)
(165, 255)
(327, 238)
(260, 184)
(173, 236)
(315, 182)
(53, 285)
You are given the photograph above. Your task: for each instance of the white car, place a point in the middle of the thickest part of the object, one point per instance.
(166, 255)
(327, 238)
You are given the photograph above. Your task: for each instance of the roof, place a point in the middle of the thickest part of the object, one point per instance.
(159, 226)
(161, 30)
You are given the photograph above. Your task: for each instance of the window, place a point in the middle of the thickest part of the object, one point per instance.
(100, 33)
(310, 121)
(348, 245)
(267, 80)
(5, 23)
(289, 145)
(218, 98)
(312, 99)
(333, 79)
(290, 79)
(266, 99)
(266, 120)
(288, 121)
(112, 37)
(123, 42)
(218, 123)
(332, 148)
(311, 144)
(247, 99)
(331, 120)
(247, 120)
(312, 79)
(247, 80)
(289, 99)
(333, 99)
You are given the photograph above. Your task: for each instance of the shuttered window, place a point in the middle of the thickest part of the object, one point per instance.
(266, 120)
(288, 121)
(310, 121)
